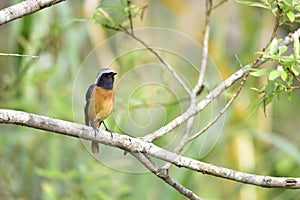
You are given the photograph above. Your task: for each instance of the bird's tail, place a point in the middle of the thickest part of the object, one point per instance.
(95, 147)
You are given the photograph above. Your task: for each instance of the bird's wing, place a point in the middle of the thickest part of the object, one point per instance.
(87, 102)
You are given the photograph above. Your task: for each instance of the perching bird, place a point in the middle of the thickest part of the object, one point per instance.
(99, 102)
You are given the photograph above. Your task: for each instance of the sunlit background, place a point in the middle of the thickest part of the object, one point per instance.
(39, 165)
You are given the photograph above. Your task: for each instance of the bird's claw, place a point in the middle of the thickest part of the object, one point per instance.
(95, 130)
(111, 135)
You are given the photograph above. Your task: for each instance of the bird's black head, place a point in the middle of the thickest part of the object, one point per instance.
(105, 79)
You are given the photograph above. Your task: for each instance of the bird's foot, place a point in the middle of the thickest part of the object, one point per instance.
(106, 129)
(95, 130)
(111, 135)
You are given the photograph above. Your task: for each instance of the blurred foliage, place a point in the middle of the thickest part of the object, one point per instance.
(39, 165)
(115, 15)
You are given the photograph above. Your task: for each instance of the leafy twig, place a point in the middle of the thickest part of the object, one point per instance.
(129, 15)
(273, 35)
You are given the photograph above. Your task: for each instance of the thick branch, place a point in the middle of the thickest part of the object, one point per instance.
(137, 145)
(24, 8)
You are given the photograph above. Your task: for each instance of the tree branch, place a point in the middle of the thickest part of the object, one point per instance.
(229, 103)
(24, 8)
(199, 84)
(19, 55)
(136, 145)
(214, 93)
(162, 173)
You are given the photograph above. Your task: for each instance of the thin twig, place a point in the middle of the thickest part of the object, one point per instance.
(113, 28)
(203, 67)
(183, 140)
(162, 173)
(294, 87)
(143, 11)
(219, 4)
(130, 16)
(294, 75)
(19, 55)
(161, 59)
(18, 79)
(273, 35)
(156, 54)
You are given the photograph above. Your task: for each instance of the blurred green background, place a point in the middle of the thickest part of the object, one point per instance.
(39, 165)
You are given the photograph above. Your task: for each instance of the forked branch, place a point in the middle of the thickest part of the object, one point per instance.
(136, 145)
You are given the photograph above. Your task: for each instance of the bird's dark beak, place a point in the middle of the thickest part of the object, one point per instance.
(115, 73)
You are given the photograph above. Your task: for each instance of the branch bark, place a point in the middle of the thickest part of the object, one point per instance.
(162, 173)
(24, 8)
(136, 145)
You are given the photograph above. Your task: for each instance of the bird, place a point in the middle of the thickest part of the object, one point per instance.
(99, 102)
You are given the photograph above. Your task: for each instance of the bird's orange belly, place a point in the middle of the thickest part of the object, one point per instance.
(101, 104)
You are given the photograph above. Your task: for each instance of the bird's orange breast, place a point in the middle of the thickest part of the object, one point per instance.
(101, 104)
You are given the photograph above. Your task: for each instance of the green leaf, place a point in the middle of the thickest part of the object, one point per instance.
(260, 72)
(102, 17)
(296, 69)
(284, 75)
(289, 94)
(273, 46)
(274, 74)
(255, 89)
(254, 4)
(260, 52)
(282, 50)
(297, 7)
(291, 16)
(286, 3)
